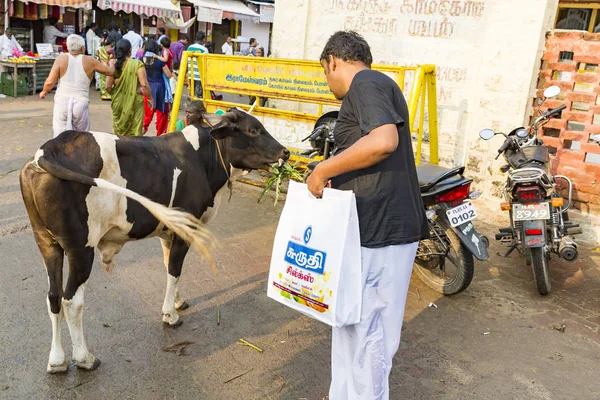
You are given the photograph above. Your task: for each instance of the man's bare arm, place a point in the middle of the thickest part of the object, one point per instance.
(53, 76)
(108, 70)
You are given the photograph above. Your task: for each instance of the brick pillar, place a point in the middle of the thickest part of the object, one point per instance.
(572, 62)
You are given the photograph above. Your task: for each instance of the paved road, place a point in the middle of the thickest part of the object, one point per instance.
(445, 351)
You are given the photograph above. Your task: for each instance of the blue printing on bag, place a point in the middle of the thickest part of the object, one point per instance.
(305, 257)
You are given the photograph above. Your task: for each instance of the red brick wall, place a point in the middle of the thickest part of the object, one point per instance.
(578, 77)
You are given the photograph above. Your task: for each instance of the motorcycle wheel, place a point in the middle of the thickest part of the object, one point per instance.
(541, 273)
(429, 271)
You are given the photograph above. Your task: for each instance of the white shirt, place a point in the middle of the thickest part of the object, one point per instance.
(227, 49)
(90, 37)
(7, 45)
(51, 33)
(136, 41)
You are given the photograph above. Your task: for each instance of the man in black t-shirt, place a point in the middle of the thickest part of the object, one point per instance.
(374, 159)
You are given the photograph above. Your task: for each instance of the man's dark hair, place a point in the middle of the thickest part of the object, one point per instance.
(113, 27)
(200, 36)
(165, 42)
(129, 28)
(162, 30)
(348, 46)
(53, 21)
(93, 25)
(183, 36)
(252, 40)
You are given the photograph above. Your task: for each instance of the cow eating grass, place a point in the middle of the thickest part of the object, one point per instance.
(87, 190)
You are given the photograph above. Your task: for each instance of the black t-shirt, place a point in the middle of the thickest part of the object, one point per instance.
(388, 199)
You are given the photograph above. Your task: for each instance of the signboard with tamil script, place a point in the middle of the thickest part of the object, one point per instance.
(273, 78)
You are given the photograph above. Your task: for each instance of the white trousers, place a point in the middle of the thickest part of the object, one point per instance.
(70, 114)
(361, 354)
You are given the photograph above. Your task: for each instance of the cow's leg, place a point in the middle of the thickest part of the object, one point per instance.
(53, 255)
(53, 260)
(176, 256)
(80, 267)
(180, 304)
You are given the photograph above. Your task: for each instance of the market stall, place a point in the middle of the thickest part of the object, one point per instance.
(28, 18)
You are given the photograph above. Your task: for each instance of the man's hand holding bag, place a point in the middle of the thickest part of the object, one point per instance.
(316, 260)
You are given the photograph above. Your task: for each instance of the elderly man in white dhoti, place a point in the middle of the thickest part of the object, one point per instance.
(71, 101)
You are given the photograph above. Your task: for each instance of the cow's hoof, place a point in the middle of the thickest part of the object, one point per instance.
(183, 306)
(87, 366)
(175, 325)
(58, 369)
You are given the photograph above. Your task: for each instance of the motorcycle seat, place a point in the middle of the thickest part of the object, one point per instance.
(430, 175)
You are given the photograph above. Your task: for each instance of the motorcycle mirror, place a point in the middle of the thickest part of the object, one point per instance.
(487, 134)
(522, 133)
(551, 91)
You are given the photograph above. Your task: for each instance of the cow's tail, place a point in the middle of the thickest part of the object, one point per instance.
(182, 223)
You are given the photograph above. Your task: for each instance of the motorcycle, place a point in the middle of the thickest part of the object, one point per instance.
(444, 262)
(539, 223)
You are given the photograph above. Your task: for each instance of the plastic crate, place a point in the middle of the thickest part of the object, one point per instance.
(9, 90)
(7, 79)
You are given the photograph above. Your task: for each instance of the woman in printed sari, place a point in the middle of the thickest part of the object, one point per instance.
(127, 87)
(105, 53)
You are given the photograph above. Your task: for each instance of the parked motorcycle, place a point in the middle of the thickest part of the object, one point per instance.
(445, 261)
(539, 223)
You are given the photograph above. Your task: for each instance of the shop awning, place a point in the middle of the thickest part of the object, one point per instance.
(87, 4)
(228, 9)
(159, 8)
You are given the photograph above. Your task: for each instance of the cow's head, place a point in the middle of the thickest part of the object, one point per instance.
(246, 142)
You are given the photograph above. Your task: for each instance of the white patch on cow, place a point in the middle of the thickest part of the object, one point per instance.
(191, 134)
(211, 212)
(74, 314)
(36, 159)
(56, 361)
(107, 209)
(176, 174)
(170, 315)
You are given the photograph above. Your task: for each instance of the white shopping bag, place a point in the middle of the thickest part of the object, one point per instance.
(316, 260)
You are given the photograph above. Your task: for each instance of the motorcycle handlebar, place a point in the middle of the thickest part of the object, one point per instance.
(315, 133)
(504, 146)
(554, 111)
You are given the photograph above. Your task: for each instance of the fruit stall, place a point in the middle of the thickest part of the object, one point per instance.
(17, 84)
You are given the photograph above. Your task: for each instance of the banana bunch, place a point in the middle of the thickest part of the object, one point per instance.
(22, 60)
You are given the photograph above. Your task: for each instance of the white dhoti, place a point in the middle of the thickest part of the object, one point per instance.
(361, 354)
(70, 114)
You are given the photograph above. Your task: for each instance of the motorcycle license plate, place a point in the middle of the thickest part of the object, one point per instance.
(461, 214)
(531, 212)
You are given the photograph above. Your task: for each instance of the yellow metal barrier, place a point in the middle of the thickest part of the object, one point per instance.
(299, 81)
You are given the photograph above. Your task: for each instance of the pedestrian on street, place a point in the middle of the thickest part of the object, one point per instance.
(8, 47)
(90, 39)
(197, 47)
(71, 101)
(162, 34)
(105, 53)
(114, 33)
(135, 39)
(155, 68)
(194, 110)
(227, 47)
(128, 88)
(375, 160)
(251, 48)
(177, 49)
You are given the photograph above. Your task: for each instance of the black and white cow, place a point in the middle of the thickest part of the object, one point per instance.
(87, 190)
